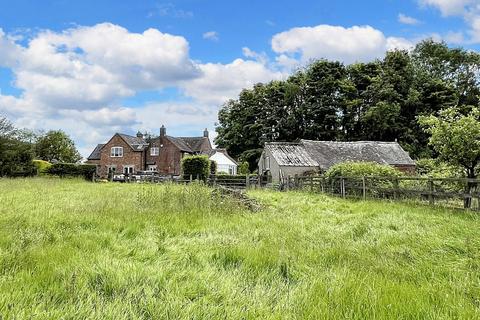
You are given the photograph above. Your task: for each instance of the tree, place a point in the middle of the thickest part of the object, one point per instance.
(15, 155)
(456, 138)
(57, 146)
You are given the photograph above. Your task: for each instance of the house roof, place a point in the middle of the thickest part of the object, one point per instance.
(224, 152)
(324, 154)
(136, 143)
(95, 155)
(328, 153)
(290, 154)
(189, 144)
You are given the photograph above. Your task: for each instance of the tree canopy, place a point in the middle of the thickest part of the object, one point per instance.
(57, 146)
(379, 100)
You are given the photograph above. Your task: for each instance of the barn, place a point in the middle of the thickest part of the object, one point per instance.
(283, 159)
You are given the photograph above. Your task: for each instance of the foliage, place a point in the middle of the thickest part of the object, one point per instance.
(361, 169)
(435, 168)
(243, 168)
(174, 251)
(42, 166)
(15, 154)
(15, 158)
(456, 137)
(213, 167)
(380, 175)
(379, 100)
(57, 146)
(72, 170)
(196, 166)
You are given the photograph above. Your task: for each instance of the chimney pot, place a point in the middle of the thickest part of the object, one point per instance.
(163, 131)
(205, 133)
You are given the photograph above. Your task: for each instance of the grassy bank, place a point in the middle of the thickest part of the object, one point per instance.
(75, 250)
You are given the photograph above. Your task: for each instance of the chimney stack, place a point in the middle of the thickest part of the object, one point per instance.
(205, 133)
(139, 135)
(163, 131)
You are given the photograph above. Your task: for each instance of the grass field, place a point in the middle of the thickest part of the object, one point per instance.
(75, 250)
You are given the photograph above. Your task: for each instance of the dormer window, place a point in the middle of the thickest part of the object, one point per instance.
(116, 152)
(154, 151)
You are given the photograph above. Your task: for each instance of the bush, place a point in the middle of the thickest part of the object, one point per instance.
(434, 168)
(196, 166)
(73, 170)
(352, 170)
(15, 158)
(361, 169)
(243, 168)
(42, 166)
(213, 167)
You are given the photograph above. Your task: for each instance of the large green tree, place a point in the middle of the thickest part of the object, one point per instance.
(379, 100)
(57, 146)
(15, 155)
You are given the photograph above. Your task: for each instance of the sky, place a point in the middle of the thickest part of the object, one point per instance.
(93, 68)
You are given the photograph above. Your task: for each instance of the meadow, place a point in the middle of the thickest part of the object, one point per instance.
(70, 249)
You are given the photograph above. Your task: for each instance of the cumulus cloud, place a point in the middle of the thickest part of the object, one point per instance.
(224, 81)
(9, 51)
(211, 35)
(75, 80)
(402, 18)
(357, 43)
(469, 10)
(448, 7)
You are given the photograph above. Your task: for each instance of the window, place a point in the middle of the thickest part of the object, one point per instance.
(111, 169)
(154, 151)
(152, 167)
(127, 169)
(116, 152)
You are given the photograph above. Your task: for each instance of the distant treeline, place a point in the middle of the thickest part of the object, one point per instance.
(379, 100)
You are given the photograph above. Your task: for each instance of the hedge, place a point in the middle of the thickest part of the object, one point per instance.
(73, 170)
(42, 166)
(196, 166)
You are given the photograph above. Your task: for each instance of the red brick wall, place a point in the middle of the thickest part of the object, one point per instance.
(169, 160)
(130, 157)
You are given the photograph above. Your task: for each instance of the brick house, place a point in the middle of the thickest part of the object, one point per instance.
(129, 154)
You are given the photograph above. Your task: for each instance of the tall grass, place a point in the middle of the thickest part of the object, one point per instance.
(74, 250)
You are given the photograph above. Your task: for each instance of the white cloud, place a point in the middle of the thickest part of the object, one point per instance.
(224, 81)
(357, 43)
(448, 7)
(211, 35)
(9, 51)
(407, 20)
(469, 10)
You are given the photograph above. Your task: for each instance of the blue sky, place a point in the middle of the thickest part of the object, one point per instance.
(92, 68)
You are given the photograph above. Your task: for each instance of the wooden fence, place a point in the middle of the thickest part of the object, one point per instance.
(451, 192)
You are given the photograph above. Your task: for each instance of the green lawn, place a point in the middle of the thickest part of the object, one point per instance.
(74, 250)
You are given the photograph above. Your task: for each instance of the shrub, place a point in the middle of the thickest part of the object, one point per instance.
(435, 168)
(42, 166)
(197, 166)
(361, 169)
(73, 170)
(213, 167)
(243, 168)
(380, 175)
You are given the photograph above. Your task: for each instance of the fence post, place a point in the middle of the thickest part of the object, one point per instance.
(311, 184)
(247, 181)
(431, 199)
(395, 188)
(364, 189)
(322, 184)
(191, 178)
(342, 187)
(288, 183)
